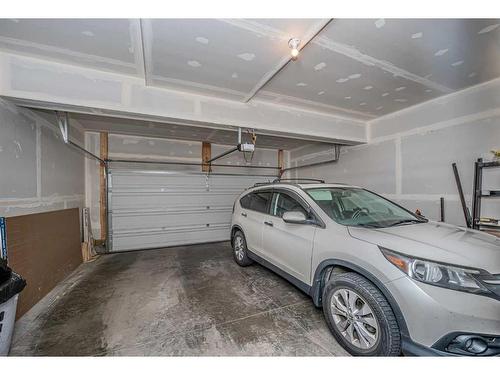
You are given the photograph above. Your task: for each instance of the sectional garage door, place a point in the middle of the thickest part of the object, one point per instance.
(156, 208)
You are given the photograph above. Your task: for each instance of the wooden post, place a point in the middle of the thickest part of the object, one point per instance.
(102, 187)
(280, 161)
(206, 154)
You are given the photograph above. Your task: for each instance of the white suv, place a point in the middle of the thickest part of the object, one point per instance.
(389, 281)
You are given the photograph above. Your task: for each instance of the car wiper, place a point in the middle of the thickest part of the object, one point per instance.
(368, 225)
(404, 221)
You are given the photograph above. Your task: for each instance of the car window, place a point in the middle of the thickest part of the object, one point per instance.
(283, 202)
(257, 201)
(354, 206)
(245, 201)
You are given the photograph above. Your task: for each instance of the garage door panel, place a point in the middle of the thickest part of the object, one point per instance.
(169, 201)
(152, 178)
(150, 239)
(171, 219)
(156, 208)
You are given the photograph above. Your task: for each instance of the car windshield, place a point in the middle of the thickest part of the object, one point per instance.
(359, 207)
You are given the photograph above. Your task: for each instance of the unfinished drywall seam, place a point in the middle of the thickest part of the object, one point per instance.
(10, 203)
(43, 162)
(438, 125)
(329, 109)
(256, 28)
(137, 45)
(427, 197)
(439, 99)
(196, 85)
(368, 132)
(386, 66)
(64, 51)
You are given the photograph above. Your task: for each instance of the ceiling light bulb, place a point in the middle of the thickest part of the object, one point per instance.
(294, 46)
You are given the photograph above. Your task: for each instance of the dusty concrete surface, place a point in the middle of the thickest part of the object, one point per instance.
(189, 300)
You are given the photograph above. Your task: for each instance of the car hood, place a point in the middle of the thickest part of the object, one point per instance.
(439, 242)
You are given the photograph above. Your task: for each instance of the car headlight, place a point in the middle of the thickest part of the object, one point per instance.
(438, 274)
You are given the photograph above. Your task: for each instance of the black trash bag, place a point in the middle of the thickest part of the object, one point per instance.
(4, 271)
(12, 286)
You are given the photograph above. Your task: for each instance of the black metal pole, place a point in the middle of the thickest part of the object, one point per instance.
(222, 155)
(476, 194)
(86, 152)
(468, 220)
(441, 201)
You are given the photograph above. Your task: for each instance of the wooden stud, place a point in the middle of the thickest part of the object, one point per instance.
(206, 154)
(280, 161)
(102, 186)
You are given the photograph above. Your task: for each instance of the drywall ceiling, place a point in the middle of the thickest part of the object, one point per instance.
(356, 68)
(382, 66)
(108, 44)
(211, 56)
(173, 131)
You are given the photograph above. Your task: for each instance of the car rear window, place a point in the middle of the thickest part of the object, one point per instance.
(257, 201)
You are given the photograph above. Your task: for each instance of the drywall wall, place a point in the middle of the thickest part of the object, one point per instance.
(53, 85)
(38, 172)
(409, 156)
(161, 149)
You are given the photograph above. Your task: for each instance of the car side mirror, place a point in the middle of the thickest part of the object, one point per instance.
(294, 217)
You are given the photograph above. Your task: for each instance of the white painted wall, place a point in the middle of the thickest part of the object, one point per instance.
(38, 172)
(409, 155)
(161, 149)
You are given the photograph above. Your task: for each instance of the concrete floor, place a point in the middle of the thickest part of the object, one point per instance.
(189, 300)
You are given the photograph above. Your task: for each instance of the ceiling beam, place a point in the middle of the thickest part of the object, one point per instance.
(47, 84)
(146, 36)
(308, 37)
(142, 47)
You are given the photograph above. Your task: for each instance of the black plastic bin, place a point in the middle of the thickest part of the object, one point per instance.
(11, 284)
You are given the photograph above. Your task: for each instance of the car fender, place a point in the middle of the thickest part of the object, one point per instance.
(317, 288)
(235, 227)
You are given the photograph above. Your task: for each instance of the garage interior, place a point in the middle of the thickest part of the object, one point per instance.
(117, 205)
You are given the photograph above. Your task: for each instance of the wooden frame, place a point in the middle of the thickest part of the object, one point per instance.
(102, 187)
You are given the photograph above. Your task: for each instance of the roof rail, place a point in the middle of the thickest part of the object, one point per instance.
(299, 179)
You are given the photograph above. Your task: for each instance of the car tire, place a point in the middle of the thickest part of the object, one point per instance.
(360, 317)
(240, 250)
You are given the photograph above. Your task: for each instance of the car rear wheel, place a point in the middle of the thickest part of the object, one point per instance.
(240, 251)
(360, 317)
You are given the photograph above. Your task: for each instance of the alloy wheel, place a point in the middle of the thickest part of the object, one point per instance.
(238, 248)
(354, 319)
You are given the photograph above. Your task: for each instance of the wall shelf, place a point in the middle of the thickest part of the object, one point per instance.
(479, 194)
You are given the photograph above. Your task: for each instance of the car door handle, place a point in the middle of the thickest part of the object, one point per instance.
(269, 223)
(243, 214)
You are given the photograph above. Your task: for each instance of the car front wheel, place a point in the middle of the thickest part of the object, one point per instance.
(360, 317)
